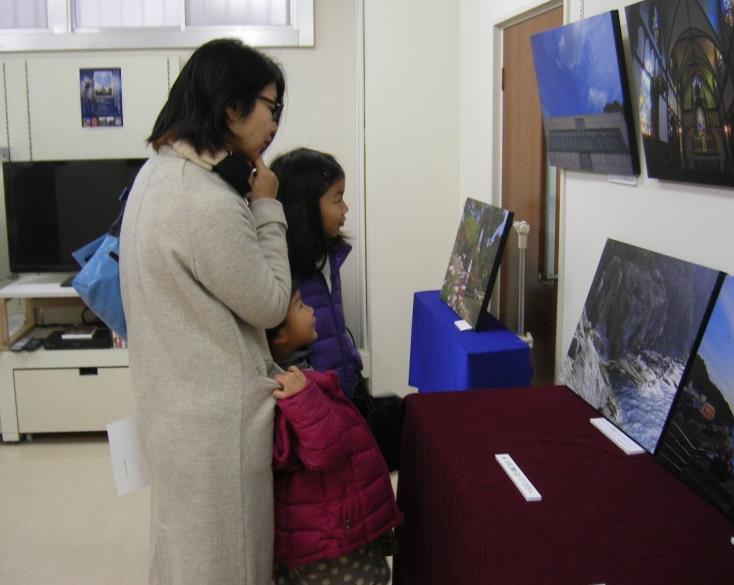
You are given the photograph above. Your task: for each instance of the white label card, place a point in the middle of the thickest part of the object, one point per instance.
(623, 180)
(462, 325)
(522, 483)
(127, 464)
(616, 436)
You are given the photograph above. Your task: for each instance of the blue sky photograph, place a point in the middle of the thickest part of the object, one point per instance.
(717, 345)
(576, 67)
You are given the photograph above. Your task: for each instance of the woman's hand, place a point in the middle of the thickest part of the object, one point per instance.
(263, 181)
(293, 381)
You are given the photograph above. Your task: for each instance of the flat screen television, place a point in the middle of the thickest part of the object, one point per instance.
(54, 207)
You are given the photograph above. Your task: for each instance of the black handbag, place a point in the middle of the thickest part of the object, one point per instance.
(384, 416)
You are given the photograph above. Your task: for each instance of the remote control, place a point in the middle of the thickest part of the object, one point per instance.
(32, 344)
(18, 345)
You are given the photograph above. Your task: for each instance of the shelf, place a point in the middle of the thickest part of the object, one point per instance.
(66, 358)
(54, 400)
(39, 286)
(46, 390)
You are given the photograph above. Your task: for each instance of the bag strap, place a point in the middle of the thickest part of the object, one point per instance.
(122, 197)
(117, 224)
(360, 378)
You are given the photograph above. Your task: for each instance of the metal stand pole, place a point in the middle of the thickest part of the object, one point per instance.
(522, 228)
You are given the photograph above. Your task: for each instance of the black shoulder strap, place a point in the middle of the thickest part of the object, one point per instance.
(117, 224)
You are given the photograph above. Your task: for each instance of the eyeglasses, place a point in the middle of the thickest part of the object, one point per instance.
(277, 107)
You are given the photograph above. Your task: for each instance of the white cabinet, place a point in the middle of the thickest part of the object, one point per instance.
(69, 390)
(70, 399)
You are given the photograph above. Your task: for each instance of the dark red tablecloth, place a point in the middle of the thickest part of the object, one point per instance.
(605, 517)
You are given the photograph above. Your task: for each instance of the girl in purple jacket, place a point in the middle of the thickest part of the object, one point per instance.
(334, 505)
(311, 189)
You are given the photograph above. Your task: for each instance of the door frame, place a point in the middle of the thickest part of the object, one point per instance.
(499, 25)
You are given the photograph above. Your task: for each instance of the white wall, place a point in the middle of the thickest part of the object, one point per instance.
(321, 111)
(477, 98)
(412, 168)
(41, 113)
(682, 220)
(44, 114)
(411, 148)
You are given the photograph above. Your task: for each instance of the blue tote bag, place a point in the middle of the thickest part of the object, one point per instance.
(98, 281)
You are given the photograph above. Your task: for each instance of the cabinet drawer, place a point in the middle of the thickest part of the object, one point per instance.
(71, 399)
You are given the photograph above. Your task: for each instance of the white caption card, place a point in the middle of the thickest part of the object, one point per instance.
(522, 483)
(462, 325)
(616, 436)
(127, 464)
(623, 180)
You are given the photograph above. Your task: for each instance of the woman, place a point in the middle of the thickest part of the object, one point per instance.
(203, 274)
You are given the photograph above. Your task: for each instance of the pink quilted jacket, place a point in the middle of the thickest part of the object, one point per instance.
(332, 487)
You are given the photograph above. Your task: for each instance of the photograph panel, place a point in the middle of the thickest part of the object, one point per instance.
(682, 69)
(584, 96)
(475, 259)
(698, 443)
(636, 333)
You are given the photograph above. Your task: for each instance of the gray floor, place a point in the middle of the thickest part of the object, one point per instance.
(60, 520)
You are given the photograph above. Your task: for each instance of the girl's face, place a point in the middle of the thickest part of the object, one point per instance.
(253, 132)
(300, 323)
(333, 209)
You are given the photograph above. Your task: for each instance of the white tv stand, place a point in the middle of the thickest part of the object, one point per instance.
(51, 391)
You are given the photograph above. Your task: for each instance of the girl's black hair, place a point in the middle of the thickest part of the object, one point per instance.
(272, 333)
(304, 175)
(221, 74)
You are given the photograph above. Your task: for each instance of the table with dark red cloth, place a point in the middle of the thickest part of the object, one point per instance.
(605, 517)
(444, 358)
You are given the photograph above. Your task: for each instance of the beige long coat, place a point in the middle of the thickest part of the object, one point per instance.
(202, 275)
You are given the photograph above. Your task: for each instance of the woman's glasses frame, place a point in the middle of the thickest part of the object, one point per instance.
(276, 107)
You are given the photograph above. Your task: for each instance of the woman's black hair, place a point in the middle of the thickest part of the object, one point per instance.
(304, 175)
(221, 74)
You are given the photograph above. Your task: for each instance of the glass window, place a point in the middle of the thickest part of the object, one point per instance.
(23, 14)
(91, 14)
(727, 9)
(236, 12)
(645, 104)
(149, 24)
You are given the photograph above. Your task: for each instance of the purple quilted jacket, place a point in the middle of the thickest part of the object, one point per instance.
(333, 350)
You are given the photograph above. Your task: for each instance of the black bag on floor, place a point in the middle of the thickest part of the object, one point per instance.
(384, 416)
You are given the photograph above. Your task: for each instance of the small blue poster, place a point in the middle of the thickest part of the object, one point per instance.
(101, 97)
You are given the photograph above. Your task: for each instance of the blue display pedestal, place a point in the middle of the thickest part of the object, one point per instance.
(444, 358)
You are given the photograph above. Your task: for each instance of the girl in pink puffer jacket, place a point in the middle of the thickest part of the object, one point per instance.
(334, 504)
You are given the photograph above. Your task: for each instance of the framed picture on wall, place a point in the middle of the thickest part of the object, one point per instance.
(637, 331)
(683, 78)
(100, 93)
(584, 96)
(475, 259)
(698, 442)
